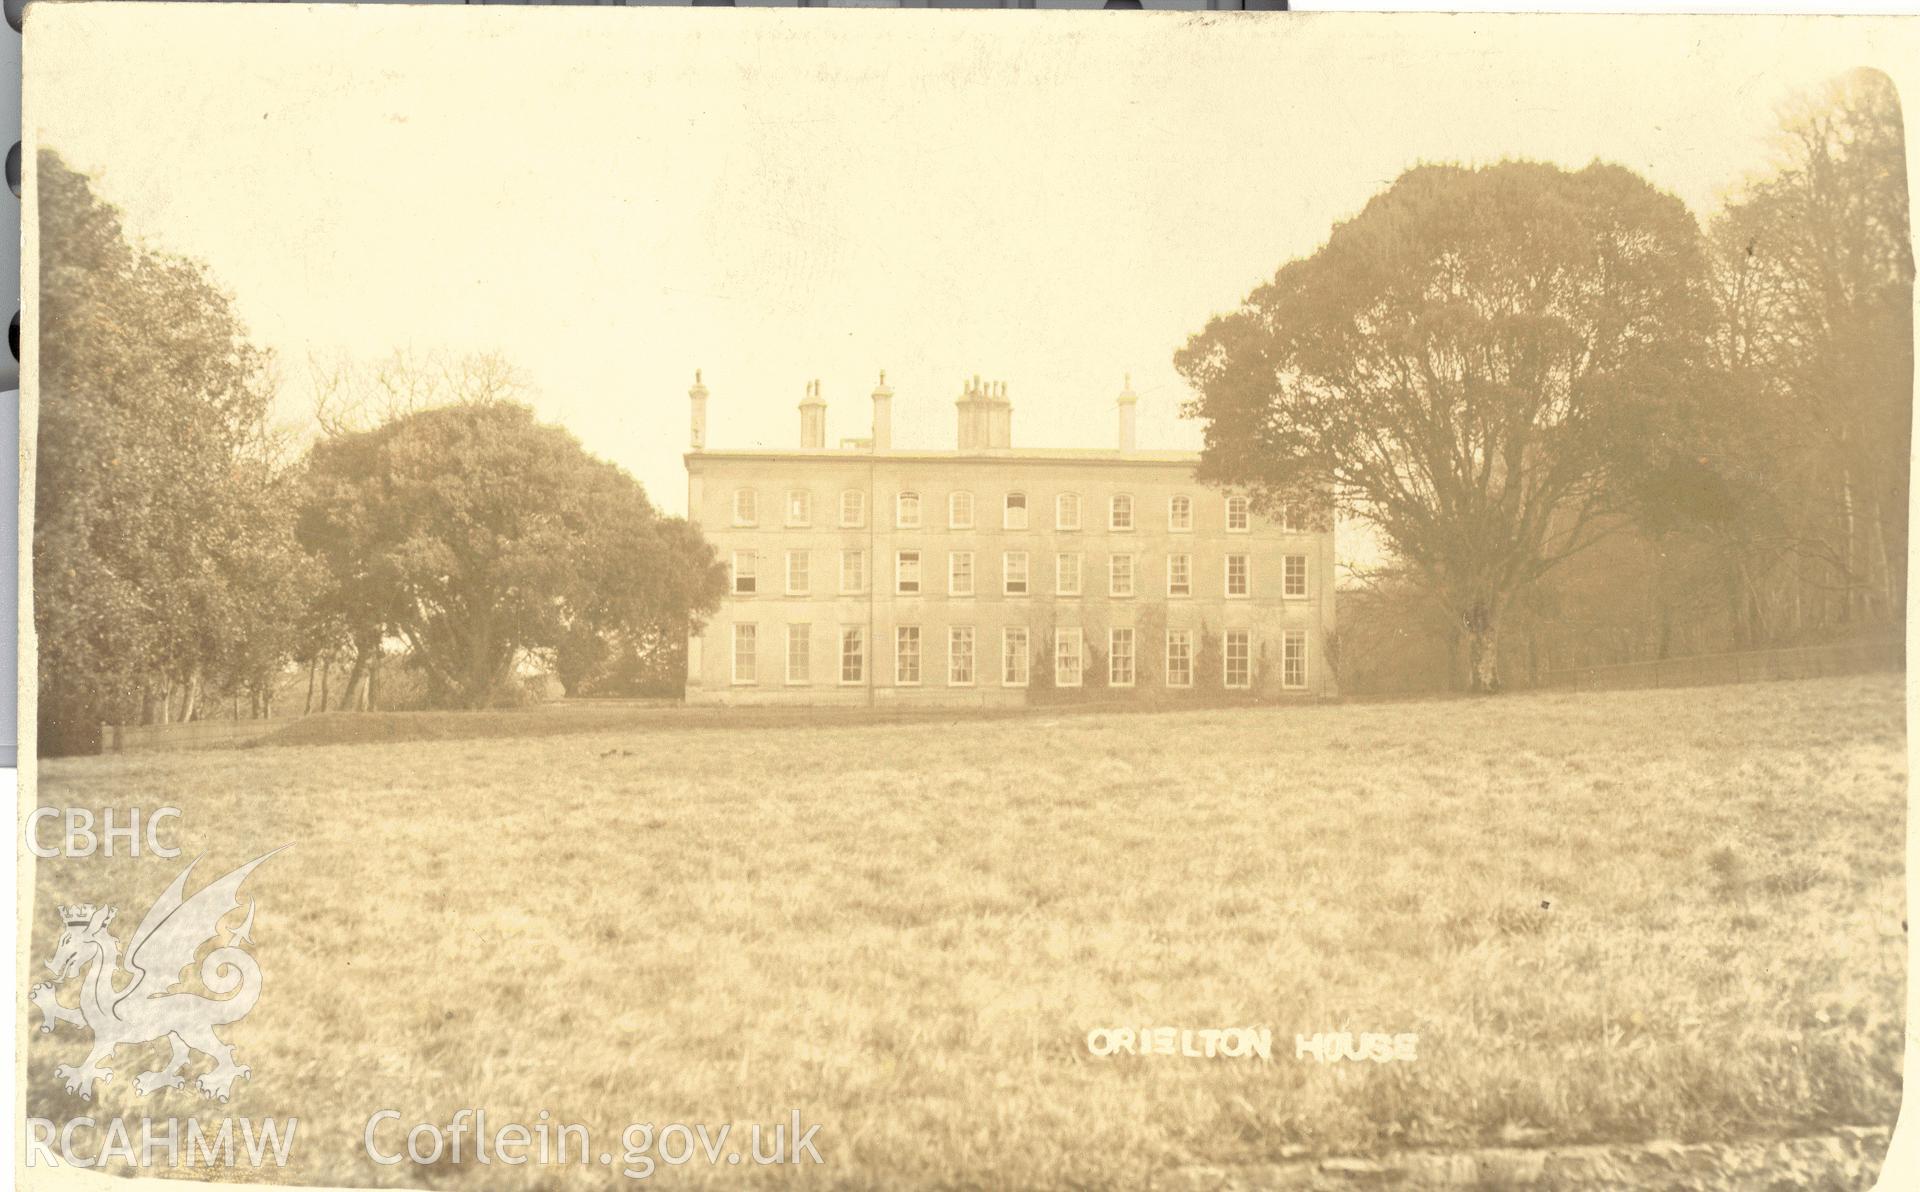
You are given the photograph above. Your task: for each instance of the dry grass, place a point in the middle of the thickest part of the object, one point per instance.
(1627, 915)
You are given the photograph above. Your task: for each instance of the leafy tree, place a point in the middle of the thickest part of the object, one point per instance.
(161, 549)
(478, 535)
(653, 663)
(1484, 365)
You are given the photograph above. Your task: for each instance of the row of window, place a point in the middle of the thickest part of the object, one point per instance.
(1015, 574)
(1069, 656)
(1013, 511)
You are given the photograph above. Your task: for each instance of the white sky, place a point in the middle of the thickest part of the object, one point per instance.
(614, 197)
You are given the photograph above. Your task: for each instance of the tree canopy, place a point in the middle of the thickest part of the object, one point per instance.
(478, 535)
(162, 534)
(1484, 365)
(1814, 266)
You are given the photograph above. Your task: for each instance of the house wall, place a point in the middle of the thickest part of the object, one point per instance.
(877, 610)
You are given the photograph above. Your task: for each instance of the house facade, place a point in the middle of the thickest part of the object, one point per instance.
(865, 574)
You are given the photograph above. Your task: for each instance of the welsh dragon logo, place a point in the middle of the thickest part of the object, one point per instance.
(147, 1009)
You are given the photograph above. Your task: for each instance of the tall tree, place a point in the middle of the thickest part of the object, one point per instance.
(478, 535)
(1484, 365)
(1815, 268)
(155, 531)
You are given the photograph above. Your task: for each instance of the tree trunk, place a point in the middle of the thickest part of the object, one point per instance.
(1483, 648)
(312, 665)
(1483, 657)
(192, 702)
(1878, 564)
(373, 682)
(326, 679)
(353, 680)
(1849, 578)
(1893, 556)
(1735, 588)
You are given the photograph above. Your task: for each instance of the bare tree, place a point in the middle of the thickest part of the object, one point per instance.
(352, 394)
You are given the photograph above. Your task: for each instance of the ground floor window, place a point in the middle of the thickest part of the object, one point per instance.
(1120, 657)
(960, 656)
(1013, 657)
(799, 654)
(1236, 658)
(1179, 657)
(853, 654)
(745, 664)
(1293, 658)
(1067, 658)
(906, 655)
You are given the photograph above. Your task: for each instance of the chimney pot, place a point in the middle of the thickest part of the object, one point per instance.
(882, 416)
(697, 399)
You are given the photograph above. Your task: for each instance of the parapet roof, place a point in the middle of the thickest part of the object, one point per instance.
(1014, 455)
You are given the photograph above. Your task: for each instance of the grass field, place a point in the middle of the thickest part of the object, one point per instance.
(1671, 914)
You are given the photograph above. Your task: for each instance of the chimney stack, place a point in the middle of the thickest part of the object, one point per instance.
(813, 417)
(698, 397)
(1127, 401)
(1000, 419)
(973, 408)
(882, 415)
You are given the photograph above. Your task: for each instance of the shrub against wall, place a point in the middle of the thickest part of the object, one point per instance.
(1208, 678)
(1094, 663)
(1040, 668)
(1150, 650)
(1266, 670)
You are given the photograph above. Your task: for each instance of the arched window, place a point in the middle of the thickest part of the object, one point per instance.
(1016, 512)
(1066, 511)
(907, 511)
(853, 508)
(1180, 514)
(1238, 517)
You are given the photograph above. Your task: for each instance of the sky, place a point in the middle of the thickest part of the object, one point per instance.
(613, 198)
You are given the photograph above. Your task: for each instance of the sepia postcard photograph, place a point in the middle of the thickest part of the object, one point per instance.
(873, 600)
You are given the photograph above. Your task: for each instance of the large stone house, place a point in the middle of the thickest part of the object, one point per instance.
(868, 574)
